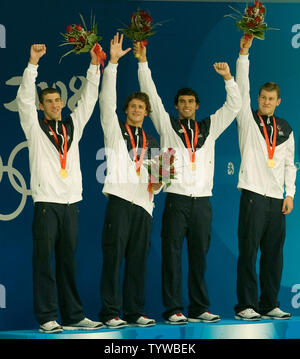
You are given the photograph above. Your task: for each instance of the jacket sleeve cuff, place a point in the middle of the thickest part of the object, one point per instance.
(32, 67)
(243, 58)
(111, 66)
(290, 194)
(230, 82)
(143, 65)
(93, 68)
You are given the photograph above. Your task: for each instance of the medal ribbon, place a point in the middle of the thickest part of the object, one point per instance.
(101, 56)
(270, 150)
(62, 157)
(138, 163)
(188, 143)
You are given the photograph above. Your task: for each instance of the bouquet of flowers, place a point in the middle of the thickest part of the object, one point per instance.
(252, 22)
(140, 28)
(82, 40)
(161, 169)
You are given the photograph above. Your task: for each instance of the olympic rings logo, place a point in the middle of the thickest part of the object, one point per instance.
(12, 173)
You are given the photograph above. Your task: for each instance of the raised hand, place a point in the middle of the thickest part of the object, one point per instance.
(36, 52)
(116, 51)
(223, 69)
(245, 44)
(140, 50)
(94, 57)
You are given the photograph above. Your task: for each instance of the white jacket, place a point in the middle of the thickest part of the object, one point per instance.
(254, 173)
(188, 182)
(121, 179)
(46, 183)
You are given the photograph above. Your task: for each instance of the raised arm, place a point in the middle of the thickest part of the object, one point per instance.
(159, 116)
(108, 96)
(27, 90)
(242, 72)
(89, 95)
(245, 44)
(227, 113)
(223, 69)
(36, 52)
(116, 49)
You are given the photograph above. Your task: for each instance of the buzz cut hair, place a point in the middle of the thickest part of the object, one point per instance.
(45, 92)
(186, 91)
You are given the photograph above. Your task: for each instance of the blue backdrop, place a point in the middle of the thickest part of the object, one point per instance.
(180, 54)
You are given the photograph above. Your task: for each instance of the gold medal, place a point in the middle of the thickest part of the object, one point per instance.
(63, 173)
(62, 157)
(271, 163)
(138, 162)
(192, 151)
(271, 151)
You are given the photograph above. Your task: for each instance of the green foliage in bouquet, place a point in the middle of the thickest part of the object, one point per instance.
(80, 38)
(252, 21)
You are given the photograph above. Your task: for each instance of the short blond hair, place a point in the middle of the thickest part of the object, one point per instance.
(270, 86)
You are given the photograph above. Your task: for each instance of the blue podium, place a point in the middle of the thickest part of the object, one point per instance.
(224, 329)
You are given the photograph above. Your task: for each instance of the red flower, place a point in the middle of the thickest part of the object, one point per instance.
(160, 170)
(262, 10)
(148, 19)
(249, 10)
(252, 20)
(146, 28)
(171, 151)
(144, 43)
(145, 16)
(69, 28)
(140, 28)
(82, 39)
